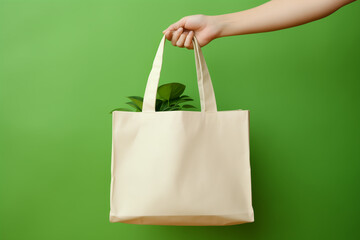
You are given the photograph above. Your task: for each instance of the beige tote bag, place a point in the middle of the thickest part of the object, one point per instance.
(181, 167)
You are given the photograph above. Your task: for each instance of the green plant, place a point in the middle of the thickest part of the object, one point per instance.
(168, 98)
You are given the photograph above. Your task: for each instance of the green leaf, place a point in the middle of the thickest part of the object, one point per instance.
(158, 104)
(164, 105)
(138, 101)
(121, 109)
(174, 108)
(170, 91)
(181, 100)
(169, 97)
(175, 105)
(134, 106)
(188, 106)
(158, 96)
(185, 97)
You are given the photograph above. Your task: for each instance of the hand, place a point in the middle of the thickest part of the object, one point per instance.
(270, 16)
(181, 33)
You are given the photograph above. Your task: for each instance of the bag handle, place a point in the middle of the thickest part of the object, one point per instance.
(206, 90)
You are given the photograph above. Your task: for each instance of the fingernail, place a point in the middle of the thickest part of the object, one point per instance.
(180, 29)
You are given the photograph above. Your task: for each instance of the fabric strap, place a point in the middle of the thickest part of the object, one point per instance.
(206, 90)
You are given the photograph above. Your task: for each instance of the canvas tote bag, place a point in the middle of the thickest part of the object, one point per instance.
(181, 167)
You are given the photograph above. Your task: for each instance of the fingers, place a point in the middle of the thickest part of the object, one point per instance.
(176, 35)
(171, 33)
(168, 35)
(182, 38)
(188, 41)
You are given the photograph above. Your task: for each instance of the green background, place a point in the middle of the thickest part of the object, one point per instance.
(65, 64)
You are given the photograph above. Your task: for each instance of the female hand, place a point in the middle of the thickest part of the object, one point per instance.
(181, 33)
(270, 16)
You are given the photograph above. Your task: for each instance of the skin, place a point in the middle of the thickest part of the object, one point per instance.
(270, 16)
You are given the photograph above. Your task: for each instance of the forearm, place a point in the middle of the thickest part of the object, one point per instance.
(276, 15)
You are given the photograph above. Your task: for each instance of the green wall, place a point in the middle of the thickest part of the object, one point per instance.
(65, 64)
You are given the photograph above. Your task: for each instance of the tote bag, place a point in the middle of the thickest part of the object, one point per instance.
(181, 167)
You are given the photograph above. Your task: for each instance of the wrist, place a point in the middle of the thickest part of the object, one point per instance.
(215, 25)
(228, 25)
(221, 25)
